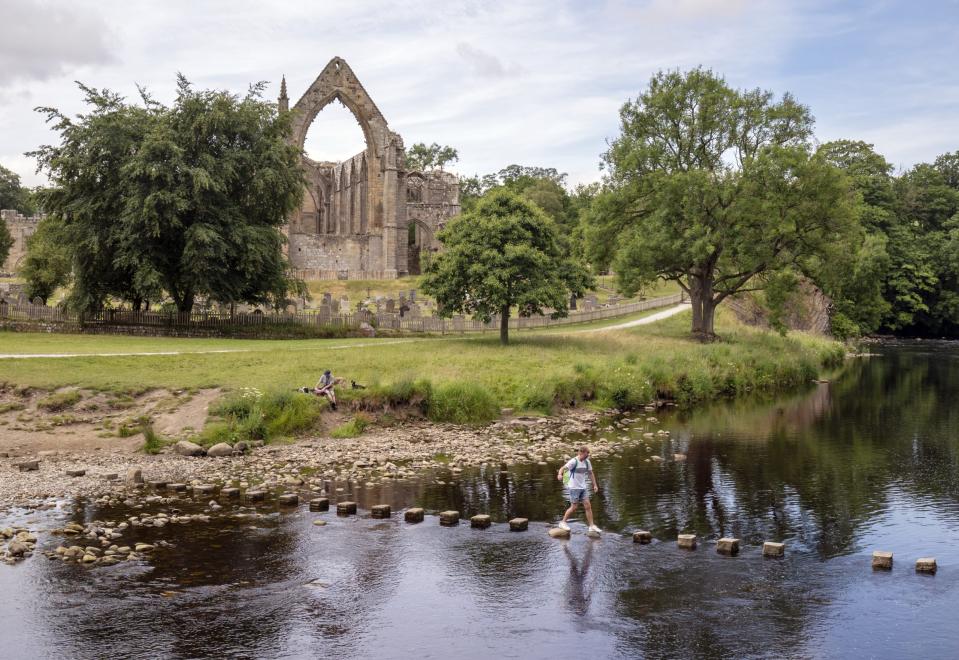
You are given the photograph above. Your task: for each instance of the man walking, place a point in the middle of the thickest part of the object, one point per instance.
(578, 467)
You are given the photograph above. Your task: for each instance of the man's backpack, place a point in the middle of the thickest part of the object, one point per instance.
(569, 473)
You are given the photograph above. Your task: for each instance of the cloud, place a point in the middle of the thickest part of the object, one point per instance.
(41, 40)
(483, 63)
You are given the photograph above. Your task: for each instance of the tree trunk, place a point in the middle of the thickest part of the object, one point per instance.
(704, 308)
(504, 326)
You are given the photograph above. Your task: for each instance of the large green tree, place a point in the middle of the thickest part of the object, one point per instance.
(716, 189)
(180, 201)
(505, 253)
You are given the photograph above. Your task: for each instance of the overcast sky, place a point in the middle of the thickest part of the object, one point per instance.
(534, 83)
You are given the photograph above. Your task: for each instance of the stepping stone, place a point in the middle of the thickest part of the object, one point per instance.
(519, 524)
(558, 533)
(346, 509)
(255, 495)
(414, 515)
(319, 523)
(289, 499)
(381, 511)
(111, 476)
(773, 549)
(230, 492)
(320, 504)
(28, 466)
(926, 565)
(686, 541)
(449, 518)
(76, 473)
(882, 560)
(176, 487)
(642, 536)
(203, 489)
(481, 521)
(157, 485)
(727, 546)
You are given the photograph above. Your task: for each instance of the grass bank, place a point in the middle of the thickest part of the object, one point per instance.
(462, 379)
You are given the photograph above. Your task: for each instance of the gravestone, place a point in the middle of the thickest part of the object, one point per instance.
(390, 305)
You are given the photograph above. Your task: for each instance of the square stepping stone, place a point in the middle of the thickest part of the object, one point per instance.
(773, 549)
(414, 515)
(381, 511)
(449, 518)
(686, 541)
(727, 546)
(346, 509)
(480, 521)
(519, 524)
(642, 536)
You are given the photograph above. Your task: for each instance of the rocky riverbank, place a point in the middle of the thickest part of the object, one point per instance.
(379, 456)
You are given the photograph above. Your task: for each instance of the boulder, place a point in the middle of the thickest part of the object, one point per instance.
(220, 450)
(367, 330)
(187, 448)
(558, 533)
(241, 447)
(18, 548)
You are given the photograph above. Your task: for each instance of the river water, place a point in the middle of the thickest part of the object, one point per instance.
(869, 461)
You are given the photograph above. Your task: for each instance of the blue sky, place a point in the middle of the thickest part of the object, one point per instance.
(535, 83)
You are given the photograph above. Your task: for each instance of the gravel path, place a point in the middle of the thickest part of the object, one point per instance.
(652, 318)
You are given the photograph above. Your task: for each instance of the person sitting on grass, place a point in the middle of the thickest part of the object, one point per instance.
(578, 467)
(324, 387)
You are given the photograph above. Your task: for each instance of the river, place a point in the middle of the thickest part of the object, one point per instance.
(868, 461)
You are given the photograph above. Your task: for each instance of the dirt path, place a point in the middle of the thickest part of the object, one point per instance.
(658, 316)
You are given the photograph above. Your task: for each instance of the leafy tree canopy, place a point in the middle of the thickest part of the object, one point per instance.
(716, 189)
(177, 201)
(504, 254)
(48, 264)
(13, 195)
(435, 156)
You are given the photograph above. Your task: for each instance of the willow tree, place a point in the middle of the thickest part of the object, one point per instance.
(716, 189)
(179, 202)
(505, 253)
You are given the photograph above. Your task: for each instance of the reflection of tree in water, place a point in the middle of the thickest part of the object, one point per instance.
(815, 469)
(578, 591)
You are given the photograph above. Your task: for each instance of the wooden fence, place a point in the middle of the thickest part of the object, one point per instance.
(385, 321)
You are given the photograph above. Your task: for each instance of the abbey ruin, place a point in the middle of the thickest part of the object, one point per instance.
(367, 217)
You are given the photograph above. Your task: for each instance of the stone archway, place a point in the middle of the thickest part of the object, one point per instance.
(420, 241)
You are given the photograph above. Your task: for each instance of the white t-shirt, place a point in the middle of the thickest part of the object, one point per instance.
(578, 478)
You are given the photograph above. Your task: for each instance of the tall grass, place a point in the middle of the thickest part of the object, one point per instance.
(253, 415)
(462, 403)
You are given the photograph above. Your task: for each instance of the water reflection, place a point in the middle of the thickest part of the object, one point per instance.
(868, 461)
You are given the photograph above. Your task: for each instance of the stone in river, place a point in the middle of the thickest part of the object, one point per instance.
(727, 546)
(480, 521)
(642, 536)
(773, 549)
(558, 533)
(414, 515)
(882, 560)
(519, 524)
(449, 518)
(926, 565)
(686, 541)
(380, 511)
(346, 509)
(320, 504)
(290, 499)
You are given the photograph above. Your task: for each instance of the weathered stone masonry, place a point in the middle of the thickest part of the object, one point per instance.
(21, 228)
(367, 217)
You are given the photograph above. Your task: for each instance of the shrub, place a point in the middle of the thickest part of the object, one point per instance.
(252, 415)
(59, 401)
(152, 442)
(462, 403)
(352, 428)
(402, 393)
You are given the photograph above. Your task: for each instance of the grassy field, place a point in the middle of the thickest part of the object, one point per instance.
(622, 367)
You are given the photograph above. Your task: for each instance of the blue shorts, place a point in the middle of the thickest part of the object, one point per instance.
(577, 495)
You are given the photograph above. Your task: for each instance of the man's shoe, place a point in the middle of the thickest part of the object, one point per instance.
(562, 525)
(594, 528)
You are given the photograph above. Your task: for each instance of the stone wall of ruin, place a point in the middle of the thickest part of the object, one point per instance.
(21, 227)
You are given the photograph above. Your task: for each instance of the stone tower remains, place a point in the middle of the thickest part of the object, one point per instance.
(367, 217)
